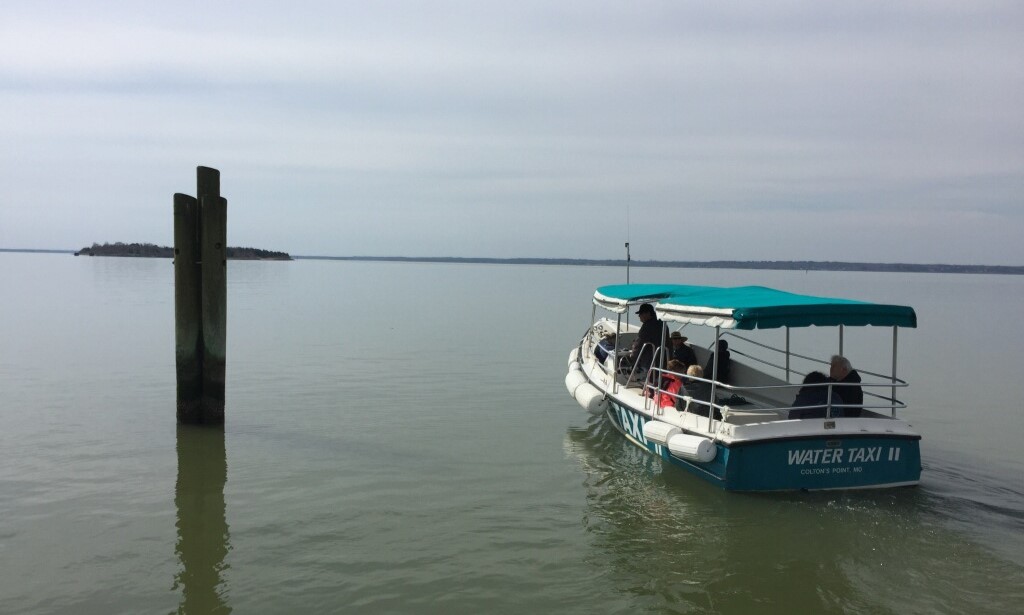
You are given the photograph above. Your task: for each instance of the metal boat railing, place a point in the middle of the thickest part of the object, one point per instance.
(792, 354)
(653, 379)
(590, 340)
(891, 381)
(832, 410)
(635, 374)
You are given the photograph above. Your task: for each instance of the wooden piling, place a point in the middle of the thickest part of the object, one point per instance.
(200, 299)
(187, 309)
(207, 182)
(213, 251)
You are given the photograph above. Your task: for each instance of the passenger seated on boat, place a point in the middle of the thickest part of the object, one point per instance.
(651, 380)
(696, 389)
(724, 362)
(680, 351)
(648, 339)
(840, 371)
(699, 392)
(671, 385)
(815, 393)
(605, 346)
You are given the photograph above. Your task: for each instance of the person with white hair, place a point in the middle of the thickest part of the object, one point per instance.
(842, 372)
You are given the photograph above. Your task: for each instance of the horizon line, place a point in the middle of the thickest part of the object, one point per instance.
(718, 263)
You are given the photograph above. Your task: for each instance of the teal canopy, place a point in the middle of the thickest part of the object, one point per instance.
(751, 307)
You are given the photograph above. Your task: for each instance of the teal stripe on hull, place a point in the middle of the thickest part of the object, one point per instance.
(844, 462)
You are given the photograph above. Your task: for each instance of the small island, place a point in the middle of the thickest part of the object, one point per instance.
(148, 250)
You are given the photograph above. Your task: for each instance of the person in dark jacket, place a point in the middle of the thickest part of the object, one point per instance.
(698, 391)
(680, 351)
(841, 372)
(724, 363)
(648, 340)
(814, 393)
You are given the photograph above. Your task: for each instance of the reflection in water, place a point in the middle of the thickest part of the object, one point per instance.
(669, 540)
(202, 525)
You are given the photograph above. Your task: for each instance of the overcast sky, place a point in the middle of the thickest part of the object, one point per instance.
(855, 131)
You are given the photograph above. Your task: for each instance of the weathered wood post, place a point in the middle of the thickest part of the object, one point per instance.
(187, 308)
(200, 299)
(213, 221)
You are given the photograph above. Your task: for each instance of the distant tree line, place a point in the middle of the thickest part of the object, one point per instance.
(127, 249)
(149, 250)
(777, 265)
(257, 254)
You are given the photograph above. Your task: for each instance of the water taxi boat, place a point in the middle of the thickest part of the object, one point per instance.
(750, 431)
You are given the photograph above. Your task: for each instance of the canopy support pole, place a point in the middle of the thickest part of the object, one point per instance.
(787, 355)
(841, 340)
(615, 362)
(714, 379)
(894, 343)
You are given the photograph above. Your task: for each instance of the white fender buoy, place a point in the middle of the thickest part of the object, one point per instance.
(573, 380)
(591, 398)
(574, 357)
(660, 432)
(694, 448)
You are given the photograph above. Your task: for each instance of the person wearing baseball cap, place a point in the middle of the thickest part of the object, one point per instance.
(649, 338)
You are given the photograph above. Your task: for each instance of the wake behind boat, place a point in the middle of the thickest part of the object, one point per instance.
(748, 423)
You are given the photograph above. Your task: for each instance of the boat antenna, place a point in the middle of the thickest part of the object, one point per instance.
(627, 244)
(627, 262)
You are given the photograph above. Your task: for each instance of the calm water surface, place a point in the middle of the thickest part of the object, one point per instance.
(399, 440)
